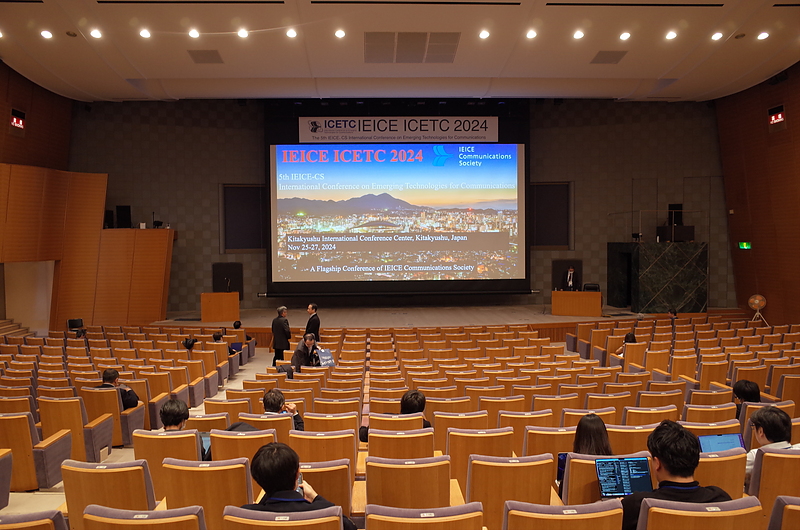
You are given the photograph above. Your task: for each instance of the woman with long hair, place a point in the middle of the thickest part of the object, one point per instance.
(591, 437)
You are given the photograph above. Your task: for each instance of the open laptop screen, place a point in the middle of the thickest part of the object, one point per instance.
(622, 476)
(712, 443)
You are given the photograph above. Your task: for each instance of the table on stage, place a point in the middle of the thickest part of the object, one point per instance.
(578, 303)
(219, 307)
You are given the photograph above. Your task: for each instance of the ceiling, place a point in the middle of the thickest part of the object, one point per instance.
(396, 48)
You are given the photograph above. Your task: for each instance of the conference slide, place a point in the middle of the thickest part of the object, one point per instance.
(383, 212)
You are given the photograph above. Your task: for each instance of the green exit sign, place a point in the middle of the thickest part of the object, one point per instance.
(745, 245)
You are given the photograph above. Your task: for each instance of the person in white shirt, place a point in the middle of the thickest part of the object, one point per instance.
(773, 430)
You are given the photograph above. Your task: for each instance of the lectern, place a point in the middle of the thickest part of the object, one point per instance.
(219, 307)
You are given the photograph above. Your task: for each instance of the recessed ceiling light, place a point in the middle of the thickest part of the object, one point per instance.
(625, 36)
(716, 36)
(242, 33)
(484, 34)
(340, 33)
(193, 33)
(531, 34)
(763, 35)
(671, 35)
(291, 33)
(47, 35)
(1, 34)
(144, 34)
(578, 34)
(96, 33)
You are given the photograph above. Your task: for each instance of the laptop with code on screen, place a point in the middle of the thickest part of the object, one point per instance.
(619, 477)
(712, 443)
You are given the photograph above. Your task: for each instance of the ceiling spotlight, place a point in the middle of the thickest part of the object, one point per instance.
(763, 35)
(96, 33)
(578, 35)
(340, 33)
(1, 34)
(625, 36)
(47, 35)
(193, 33)
(484, 34)
(144, 34)
(671, 35)
(291, 33)
(531, 34)
(716, 36)
(242, 33)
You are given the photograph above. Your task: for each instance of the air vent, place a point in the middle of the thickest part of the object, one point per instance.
(608, 57)
(205, 56)
(410, 47)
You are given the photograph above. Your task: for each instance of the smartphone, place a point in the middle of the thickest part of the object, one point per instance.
(299, 483)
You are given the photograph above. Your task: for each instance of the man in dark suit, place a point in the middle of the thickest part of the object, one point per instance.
(276, 468)
(304, 354)
(111, 380)
(571, 280)
(281, 334)
(312, 326)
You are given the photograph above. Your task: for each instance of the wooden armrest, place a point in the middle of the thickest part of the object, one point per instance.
(689, 379)
(159, 397)
(63, 509)
(180, 388)
(98, 420)
(637, 366)
(50, 440)
(456, 497)
(662, 372)
(197, 381)
(359, 498)
(361, 464)
(769, 398)
(555, 500)
(161, 505)
(126, 412)
(715, 385)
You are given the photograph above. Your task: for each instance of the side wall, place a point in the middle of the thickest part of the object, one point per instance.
(762, 186)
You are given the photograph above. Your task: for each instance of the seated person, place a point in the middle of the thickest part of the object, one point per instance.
(276, 468)
(630, 338)
(238, 325)
(745, 391)
(275, 403)
(111, 380)
(676, 454)
(412, 402)
(218, 338)
(306, 353)
(174, 414)
(773, 429)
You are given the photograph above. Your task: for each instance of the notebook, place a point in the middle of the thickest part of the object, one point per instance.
(622, 476)
(712, 443)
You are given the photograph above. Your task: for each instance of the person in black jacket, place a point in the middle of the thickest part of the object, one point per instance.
(275, 403)
(111, 380)
(281, 334)
(276, 468)
(312, 326)
(676, 454)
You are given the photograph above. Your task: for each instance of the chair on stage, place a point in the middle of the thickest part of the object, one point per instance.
(600, 516)
(101, 518)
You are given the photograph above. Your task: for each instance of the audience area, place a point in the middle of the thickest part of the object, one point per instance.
(501, 403)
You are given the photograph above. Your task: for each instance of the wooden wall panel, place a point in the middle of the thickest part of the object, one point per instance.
(52, 235)
(75, 275)
(150, 274)
(24, 214)
(762, 187)
(5, 179)
(114, 277)
(46, 140)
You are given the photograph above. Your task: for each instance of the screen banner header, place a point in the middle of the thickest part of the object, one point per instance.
(405, 129)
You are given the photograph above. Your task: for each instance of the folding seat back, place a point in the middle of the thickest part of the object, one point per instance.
(600, 516)
(99, 401)
(36, 462)
(334, 477)
(46, 520)
(629, 439)
(86, 484)
(236, 518)
(739, 514)
(156, 446)
(724, 469)
(442, 421)
(519, 420)
(324, 446)
(88, 438)
(461, 443)
(101, 518)
(417, 483)
(281, 423)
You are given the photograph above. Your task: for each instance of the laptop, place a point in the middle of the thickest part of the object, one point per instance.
(713, 443)
(619, 477)
(562, 464)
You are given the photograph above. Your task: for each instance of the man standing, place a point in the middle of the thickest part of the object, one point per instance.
(312, 326)
(571, 281)
(111, 380)
(281, 334)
